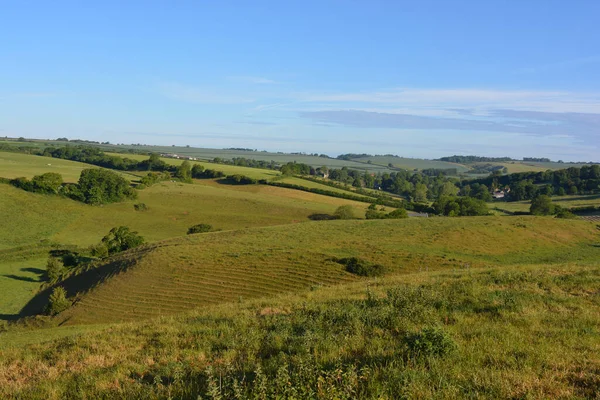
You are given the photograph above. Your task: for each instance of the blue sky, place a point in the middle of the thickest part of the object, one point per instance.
(413, 78)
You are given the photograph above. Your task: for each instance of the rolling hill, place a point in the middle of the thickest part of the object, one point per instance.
(198, 270)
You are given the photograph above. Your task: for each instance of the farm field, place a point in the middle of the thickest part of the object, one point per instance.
(411, 163)
(256, 173)
(563, 201)
(184, 273)
(15, 165)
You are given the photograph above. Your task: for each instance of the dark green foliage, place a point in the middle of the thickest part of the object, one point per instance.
(54, 269)
(396, 214)
(209, 174)
(121, 239)
(199, 228)
(542, 205)
(197, 171)
(101, 186)
(154, 177)
(58, 301)
(460, 206)
(48, 183)
(344, 212)
(430, 342)
(241, 180)
(360, 267)
(184, 172)
(140, 207)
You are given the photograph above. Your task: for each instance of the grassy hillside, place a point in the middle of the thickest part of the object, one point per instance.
(197, 270)
(173, 207)
(515, 332)
(14, 165)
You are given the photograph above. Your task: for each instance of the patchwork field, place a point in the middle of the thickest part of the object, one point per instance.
(411, 163)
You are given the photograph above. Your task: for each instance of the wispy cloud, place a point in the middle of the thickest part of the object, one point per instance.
(252, 79)
(192, 94)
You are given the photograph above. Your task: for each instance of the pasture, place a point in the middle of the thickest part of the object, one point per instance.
(15, 165)
(563, 201)
(411, 163)
(510, 332)
(198, 270)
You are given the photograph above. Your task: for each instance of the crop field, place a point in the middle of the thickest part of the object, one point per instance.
(15, 165)
(411, 163)
(183, 273)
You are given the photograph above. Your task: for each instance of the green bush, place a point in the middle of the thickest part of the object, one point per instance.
(360, 267)
(140, 207)
(54, 269)
(121, 239)
(58, 301)
(200, 228)
(430, 342)
(344, 212)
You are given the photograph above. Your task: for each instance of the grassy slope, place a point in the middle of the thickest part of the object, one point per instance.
(14, 165)
(29, 218)
(204, 269)
(518, 332)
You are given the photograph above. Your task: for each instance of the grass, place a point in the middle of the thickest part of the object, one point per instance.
(411, 163)
(198, 270)
(15, 165)
(563, 201)
(19, 281)
(514, 332)
(314, 185)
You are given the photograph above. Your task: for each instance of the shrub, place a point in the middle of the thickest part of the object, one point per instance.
(54, 269)
(101, 186)
(397, 214)
(430, 342)
(241, 180)
(360, 267)
(344, 212)
(58, 301)
(200, 228)
(565, 214)
(121, 239)
(321, 217)
(99, 250)
(542, 205)
(140, 207)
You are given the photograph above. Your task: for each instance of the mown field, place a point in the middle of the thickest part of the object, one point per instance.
(180, 274)
(15, 165)
(511, 332)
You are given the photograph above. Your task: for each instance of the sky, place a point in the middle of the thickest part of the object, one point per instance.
(414, 78)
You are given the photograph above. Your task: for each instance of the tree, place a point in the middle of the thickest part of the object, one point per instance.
(58, 301)
(101, 186)
(397, 214)
(199, 228)
(344, 212)
(184, 172)
(542, 205)
(197, 171)
(49, 183)
(121, 239)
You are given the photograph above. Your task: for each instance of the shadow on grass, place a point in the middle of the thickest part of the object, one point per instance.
(37, 271)
(23, 278)
(9, 317)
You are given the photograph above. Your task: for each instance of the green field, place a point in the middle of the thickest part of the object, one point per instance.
(185, 273)
(411, 163)
(514, 332)
(563, 201)
(15, 165)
